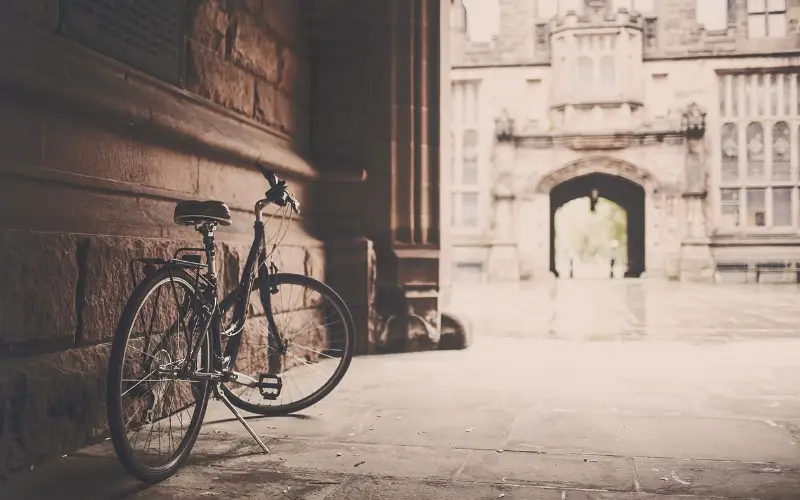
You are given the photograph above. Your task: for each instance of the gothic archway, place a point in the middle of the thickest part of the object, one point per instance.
(615, 180)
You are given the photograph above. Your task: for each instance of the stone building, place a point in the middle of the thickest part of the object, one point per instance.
(683, 112)
(111, 112)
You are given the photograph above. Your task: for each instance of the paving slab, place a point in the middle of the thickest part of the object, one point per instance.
(631, 435)
(725, 479)
(606, 473)
(320, 422)
(393, 488)
(213, 483)
(609, 495)
(354, 458)
(455, 428)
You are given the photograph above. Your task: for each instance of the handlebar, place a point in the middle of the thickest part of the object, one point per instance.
(278, 193)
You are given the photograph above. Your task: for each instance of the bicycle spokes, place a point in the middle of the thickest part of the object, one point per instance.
(157, 401)
(291, 358)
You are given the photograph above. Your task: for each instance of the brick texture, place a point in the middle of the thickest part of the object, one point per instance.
(253, 58)
(37, 299)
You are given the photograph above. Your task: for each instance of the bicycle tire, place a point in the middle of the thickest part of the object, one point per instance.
(115, 377)
(319, 394)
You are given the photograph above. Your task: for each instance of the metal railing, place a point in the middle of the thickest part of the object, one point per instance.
(759, 270)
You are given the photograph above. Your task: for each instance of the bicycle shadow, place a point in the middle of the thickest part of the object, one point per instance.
(257, 418)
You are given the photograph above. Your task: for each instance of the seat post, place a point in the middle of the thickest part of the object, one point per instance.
(207, 230)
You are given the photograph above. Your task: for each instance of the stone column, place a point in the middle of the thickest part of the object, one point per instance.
(503, 260)
(697, 263)
(408, 272)
(378, 79)
(534, 237)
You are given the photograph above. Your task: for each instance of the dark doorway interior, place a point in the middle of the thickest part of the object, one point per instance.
(626, 194)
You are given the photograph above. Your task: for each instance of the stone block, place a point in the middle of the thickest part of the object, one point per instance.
(238, 187)
(209, 76)
(40, 276)
(51, 405)
(208, 24)
(266, 102)
(351, 270)
(287, 18)
(21, 130)
(108, 283)
(93, 152)
(40, 13)
(288, 71)
(284, 113)
(254, 50)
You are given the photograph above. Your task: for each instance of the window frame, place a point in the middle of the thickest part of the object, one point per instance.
(765, 14)
(466, 122)
(738, 91)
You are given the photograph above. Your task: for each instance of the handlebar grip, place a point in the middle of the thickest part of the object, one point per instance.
(271, 178)
(269, 174)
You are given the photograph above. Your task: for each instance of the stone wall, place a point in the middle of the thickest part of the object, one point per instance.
(93, 157)
(253, 57)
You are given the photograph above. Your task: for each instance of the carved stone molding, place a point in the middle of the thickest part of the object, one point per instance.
(580, 142)
(504, 127)
(693, 122)
(693, 125)
(592, 165)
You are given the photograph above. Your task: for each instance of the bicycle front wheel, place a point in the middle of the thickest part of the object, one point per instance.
(318, 335)
(155, 416)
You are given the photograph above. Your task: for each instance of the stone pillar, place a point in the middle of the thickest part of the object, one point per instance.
(378, 102)
(697, 263)
(503, 260)
(534, 237)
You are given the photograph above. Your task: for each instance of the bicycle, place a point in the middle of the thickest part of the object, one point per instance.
(177, 366)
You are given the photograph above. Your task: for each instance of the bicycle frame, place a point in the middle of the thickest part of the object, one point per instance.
(238, 299)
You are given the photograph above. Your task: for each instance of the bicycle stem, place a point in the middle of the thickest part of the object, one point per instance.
(259, 209)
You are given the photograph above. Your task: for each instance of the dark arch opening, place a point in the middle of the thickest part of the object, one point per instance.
(627, 194)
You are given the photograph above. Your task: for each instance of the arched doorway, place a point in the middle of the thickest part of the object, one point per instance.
(629, 195)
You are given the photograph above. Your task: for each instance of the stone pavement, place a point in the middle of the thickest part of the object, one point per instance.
(575, 390)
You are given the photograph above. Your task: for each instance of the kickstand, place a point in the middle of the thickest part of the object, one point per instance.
(221, 396)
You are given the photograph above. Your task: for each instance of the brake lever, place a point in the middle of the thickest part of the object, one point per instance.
(295, 205)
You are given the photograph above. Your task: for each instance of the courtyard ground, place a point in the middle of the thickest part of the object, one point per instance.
(578, 390)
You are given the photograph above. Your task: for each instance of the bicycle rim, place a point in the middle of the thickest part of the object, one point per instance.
(155, 418)
(319, 334)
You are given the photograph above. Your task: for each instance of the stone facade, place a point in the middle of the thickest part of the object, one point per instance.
(99, 140)
(639, 90)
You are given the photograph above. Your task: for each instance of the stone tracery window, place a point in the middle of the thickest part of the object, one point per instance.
(781, 149)
(585, 72)
(766, 18)
(712, 14)
(759, 153)
(607, 74)
(466, 194)
(730, 153)
(755, 152)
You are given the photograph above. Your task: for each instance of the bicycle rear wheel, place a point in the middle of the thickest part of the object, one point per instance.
(319, 334)
(148, 407)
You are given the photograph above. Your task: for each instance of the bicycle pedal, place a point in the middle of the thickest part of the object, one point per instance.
(222, 363)
(269, 385)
